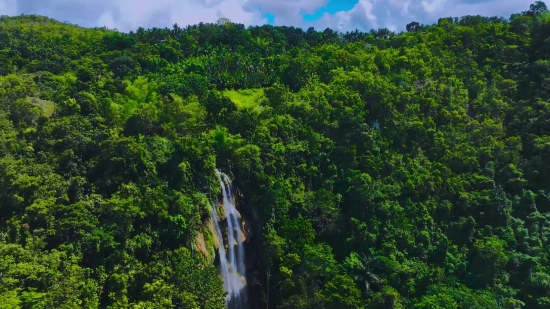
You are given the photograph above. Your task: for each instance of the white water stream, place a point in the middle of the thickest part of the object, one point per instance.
(232, 265)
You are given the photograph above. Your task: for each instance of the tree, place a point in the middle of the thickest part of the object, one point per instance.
(436, 302)
(341, 292)
(413, 26)
(536, 8)
(223, 21)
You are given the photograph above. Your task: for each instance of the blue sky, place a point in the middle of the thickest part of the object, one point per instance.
(341, 15)
(331, 7)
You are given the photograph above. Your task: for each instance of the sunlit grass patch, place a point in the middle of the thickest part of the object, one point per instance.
(46, 106)
(246, 98)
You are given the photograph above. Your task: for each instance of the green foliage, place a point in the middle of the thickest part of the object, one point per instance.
(386, 170)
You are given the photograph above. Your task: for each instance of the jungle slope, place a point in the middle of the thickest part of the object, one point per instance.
(387, 170)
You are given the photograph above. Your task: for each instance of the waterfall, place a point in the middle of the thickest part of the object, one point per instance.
(232, 265)
(221, 249)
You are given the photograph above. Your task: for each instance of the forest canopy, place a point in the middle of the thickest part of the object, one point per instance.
(387, 170)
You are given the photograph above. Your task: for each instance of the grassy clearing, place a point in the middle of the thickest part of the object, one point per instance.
(246, 98)
(46, 106)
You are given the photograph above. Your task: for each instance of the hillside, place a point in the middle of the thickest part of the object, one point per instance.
(382, 170)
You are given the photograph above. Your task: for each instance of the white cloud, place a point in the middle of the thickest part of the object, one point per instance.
(361, 16)
(433, 6)
(128, 15)
(396, 14)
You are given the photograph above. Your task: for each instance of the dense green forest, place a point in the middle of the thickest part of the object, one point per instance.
(386, 170)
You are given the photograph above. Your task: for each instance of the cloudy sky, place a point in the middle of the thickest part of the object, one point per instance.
(340, 15)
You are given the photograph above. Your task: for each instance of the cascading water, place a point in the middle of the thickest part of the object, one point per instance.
(221, 249)
(232, 265)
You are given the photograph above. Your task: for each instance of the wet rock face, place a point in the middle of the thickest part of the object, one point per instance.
(251, 241)
(200, 245)
(254, 285)
(206, 242)
(245, 226)
(253, 245)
